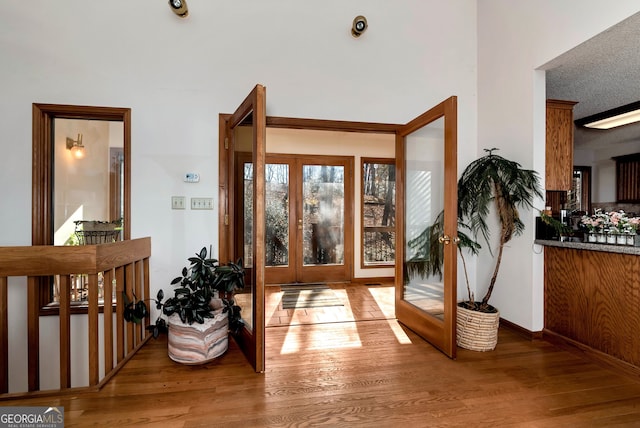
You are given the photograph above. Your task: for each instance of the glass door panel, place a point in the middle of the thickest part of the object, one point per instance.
(280, 241)
(324, 223)
(426, 163)
(424, 201)
(323, 215)
(243, 137)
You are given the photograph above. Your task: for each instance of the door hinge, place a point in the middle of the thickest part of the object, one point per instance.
(226, 219)
(226, 143)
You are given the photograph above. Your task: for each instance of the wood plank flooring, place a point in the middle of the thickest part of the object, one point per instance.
(360, 374)
(360, 303)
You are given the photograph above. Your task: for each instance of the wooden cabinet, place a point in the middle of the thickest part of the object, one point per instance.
(559, 146)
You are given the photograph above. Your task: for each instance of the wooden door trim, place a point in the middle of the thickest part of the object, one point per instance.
(331, 125)
(226, 187)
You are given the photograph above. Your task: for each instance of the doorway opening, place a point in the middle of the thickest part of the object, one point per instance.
(426, 166)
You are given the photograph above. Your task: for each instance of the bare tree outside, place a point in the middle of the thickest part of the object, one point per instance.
(379, 210)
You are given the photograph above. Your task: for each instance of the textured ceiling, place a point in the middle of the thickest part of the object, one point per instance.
(600, 74)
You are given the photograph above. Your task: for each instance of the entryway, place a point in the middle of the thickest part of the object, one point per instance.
(426, 171)
(309, 218)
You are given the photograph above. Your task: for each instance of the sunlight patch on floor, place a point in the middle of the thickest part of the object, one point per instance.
(319, 337)
(397, 330)
(384, 297)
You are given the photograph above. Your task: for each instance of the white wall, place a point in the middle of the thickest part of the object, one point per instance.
(177, 75)
(515, 39)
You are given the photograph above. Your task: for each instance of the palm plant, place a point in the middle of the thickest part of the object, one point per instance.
(493, 181)
(488, 181)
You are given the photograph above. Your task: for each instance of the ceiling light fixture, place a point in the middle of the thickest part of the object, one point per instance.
(76, 147)
(179, 7)
(613, 118)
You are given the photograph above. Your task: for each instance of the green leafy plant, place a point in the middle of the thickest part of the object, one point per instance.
(134, 311)
(198, 284)
(559, 227)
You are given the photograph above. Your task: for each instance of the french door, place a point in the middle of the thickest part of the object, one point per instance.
(245, 138)
(426, 167)
(426, 177)
(309, 218)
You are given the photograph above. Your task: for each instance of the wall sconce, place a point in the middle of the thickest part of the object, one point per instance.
(76, 147)
(179, 7)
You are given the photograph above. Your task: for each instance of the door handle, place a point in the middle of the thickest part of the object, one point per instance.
(446, 239)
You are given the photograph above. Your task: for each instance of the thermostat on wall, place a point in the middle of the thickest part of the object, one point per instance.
(192, 177)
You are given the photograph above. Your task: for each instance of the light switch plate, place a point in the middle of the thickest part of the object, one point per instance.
(201, 203)
(178, 202)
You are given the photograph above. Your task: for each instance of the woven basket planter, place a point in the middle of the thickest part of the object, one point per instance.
(477, 331)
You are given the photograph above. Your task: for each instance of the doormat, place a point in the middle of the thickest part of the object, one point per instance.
(308, 296)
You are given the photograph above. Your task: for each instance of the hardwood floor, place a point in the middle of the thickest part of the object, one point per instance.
(360, 374)
(360, 303)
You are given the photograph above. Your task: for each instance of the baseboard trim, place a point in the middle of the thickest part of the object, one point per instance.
(598, 357)
(521, 331)
(377, 280)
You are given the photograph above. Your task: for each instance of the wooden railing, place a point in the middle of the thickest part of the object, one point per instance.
(124, 264)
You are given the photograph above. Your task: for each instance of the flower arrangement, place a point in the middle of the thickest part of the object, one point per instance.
(597, 222)
(617, 221)
(611, 222)
(633, 225)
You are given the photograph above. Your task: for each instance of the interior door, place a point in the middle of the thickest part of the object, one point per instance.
(426, 165)
(309, 217)
(245, 134)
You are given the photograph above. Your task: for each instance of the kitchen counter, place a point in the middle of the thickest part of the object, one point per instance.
(607, 248)
(591, 295)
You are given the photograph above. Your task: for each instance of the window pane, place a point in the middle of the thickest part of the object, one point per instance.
(379, 248)
(277, 214)
(379, 210)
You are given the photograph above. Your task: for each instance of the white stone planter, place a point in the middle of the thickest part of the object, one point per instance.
(477, 331)
(198, 343)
